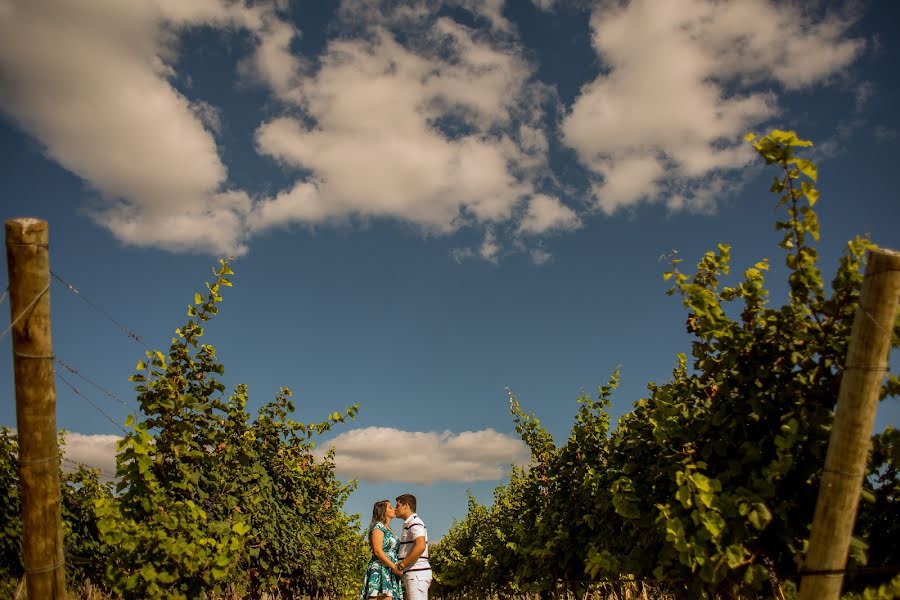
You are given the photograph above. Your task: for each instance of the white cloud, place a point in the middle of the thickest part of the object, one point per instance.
(392, 13)
(370, 454)
(212, 223)
(97, 450)
(545, 5)
(363, 13)
(462, 254)
(209, 115)
(490, 249)
(272, 62)
(492, 10)
(703, 197)
(90, 80)
(539, 256)
(546, 213)
(674, 102)
(379, 145)
(206, 12)
(628, 179)
(442, 128)
(386, 454)
(302, 203)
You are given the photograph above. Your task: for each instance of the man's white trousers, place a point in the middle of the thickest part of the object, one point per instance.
(416, 584)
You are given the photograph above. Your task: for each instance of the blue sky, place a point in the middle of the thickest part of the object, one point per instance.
(427, 202)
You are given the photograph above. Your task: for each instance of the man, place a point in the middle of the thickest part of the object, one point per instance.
(413, 550)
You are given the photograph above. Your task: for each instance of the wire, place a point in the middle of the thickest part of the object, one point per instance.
(75, 372)
(87, 466)
(27, 308)
(46, 569)
(99, 309)
(91, 402)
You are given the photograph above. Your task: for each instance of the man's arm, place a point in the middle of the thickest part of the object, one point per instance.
(414, 554)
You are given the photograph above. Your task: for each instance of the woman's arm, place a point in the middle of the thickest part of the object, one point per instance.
(376, 539)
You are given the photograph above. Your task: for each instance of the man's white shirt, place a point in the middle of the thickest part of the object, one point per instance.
(413, 528)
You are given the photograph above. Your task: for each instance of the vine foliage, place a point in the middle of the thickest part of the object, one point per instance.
(708, 486)
(85, 552)
(209, 499)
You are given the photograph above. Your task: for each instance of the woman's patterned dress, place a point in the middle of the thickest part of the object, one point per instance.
(379, 579)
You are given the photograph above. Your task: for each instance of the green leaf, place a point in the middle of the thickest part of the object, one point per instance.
(807, 168)
(735, 555)
(702, 482)
(789, 138)
(148, 573)
(240, 528)
(713, 522)
(760, 516)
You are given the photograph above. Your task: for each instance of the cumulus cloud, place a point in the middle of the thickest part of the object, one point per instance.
(90, 81)
(546, 213)
(462, 254)
(391, 13)
(378, 454)
(539, 256)
(406, 114)
(677, 91)
(489, 249)
(97, 450)
(545, 5)
(272, 62)
(439, 139)
(370, 453)
(492, 10)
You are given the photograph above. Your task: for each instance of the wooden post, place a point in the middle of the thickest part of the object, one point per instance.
(27, 256)
(851, 432)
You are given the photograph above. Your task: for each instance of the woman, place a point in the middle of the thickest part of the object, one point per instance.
(382, 575)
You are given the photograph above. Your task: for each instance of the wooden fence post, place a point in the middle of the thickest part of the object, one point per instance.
(851, 432)
(27, 255)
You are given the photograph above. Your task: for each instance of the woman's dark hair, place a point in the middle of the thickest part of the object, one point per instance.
(379, 512)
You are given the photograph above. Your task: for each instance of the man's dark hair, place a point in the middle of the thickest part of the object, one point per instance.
(407, 499)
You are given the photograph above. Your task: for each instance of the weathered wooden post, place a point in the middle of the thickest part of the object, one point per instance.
(851, 432)
(27, 255)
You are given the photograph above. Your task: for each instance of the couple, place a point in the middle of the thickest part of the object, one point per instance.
(395, 560)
